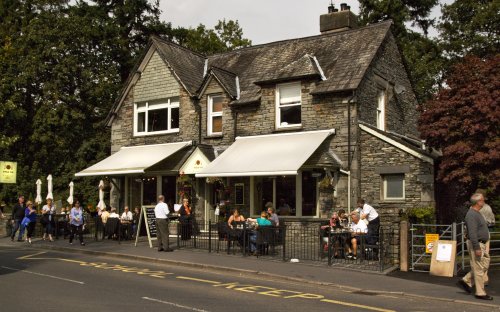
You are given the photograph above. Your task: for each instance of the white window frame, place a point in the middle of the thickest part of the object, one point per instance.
(169, 104)
(211, 115)
(279, 105)
(384, 186)
(381, 99)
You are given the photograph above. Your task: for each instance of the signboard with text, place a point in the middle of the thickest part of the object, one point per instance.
(8, 171)
(430, 239)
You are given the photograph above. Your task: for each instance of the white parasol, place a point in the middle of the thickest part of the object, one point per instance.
(49, 187)
(70, 198)
(101, 205)
(38, 199)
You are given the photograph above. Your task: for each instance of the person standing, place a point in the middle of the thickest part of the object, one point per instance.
(369, 214)
(161, 215)
(477, 238)
(48, 213)
(76, 222)
(30, 214)
(185, 219)
(17, 216)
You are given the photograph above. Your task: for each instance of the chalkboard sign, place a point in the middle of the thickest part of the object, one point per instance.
(150, 220)
(239, 194)
(147, 212)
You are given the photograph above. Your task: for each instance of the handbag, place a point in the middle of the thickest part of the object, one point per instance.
(44, 220)
(25, 221)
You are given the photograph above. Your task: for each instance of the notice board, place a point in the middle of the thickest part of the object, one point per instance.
(443, 258)
(148, 213)
(239, 194)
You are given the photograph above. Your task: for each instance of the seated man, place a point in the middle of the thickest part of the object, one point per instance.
(126, 222)
(261, 222)
(358, 229)
(332, 225)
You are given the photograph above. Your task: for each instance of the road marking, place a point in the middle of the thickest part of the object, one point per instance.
(174, 304)
(45, 275)
(36, 254)
(356, 305)
(197, 280)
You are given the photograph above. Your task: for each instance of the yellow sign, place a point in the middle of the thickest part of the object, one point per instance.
(430, 240)
(8, 172)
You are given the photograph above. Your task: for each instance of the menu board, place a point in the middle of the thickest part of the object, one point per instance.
(149, 212)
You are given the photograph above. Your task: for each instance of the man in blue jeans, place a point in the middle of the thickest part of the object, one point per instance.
(17, 217)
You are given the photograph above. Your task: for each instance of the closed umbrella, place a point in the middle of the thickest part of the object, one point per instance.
(38, 199)
(101, 205)
(70, 198)
(49, 187)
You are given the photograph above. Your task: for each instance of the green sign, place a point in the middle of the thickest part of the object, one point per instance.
(8, 172)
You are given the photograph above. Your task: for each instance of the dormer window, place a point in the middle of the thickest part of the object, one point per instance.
(156, 117)
(214, 114)
(288, 105)
(381, 110)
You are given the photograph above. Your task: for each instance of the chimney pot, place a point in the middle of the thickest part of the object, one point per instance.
(331, 8)
(343, 6)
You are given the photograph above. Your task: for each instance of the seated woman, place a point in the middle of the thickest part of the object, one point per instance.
(235, 217)
(260, 222)
(333, 223)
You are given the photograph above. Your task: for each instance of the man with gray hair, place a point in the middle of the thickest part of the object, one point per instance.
(478, 236)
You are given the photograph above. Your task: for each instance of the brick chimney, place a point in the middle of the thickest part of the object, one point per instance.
(336, 20)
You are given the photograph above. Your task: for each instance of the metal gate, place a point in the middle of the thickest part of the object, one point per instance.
(420, 260)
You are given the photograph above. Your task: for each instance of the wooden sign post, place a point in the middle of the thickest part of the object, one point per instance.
(148, 213)
(443, 258)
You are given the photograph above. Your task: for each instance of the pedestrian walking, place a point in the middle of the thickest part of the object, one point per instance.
(76, 222)
(17, 216)
(29, 221)
(477, 238)
(161, 215)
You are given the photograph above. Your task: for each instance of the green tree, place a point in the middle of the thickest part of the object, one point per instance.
(225, 36)
(470, 27)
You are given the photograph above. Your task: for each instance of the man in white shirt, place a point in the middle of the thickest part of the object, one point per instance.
(161, 215)
(369, 214)
(126, 223)
(358, 228)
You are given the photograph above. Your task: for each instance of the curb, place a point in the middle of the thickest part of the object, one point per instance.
(252, 273)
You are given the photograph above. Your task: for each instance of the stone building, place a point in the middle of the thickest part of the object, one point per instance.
(310, 124)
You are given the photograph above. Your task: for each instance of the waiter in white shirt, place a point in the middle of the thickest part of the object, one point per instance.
(161, 215)
(370, 214)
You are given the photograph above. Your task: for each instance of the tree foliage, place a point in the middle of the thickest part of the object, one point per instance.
(463, 121)
(62, 64)
(470, 27)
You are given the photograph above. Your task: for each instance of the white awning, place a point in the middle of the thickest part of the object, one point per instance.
(133, 159)
(275, 154)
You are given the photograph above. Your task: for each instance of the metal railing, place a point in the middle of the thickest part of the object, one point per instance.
(305, 242)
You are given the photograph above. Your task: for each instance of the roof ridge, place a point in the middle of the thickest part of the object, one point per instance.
(223, 70)
(380, 24)
(169, 42)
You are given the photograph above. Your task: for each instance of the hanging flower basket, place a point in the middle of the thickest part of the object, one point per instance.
(325, 185)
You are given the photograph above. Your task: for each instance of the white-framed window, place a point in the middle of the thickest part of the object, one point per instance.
(288, 105)
(381, 110)
(156, 117)
(393, 186)
(214, 114)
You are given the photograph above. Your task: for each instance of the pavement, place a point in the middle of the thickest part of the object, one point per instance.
(411, 284)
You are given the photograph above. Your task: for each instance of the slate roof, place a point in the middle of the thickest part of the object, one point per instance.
(337, 61)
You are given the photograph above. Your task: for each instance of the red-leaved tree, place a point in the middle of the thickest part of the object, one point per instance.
(462, 120)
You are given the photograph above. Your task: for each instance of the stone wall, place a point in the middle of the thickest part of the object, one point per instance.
(418, 180)
(154, 87)
(386, 72)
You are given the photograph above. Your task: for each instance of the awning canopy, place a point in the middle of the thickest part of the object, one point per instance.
(133, 159)
(275, 154)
